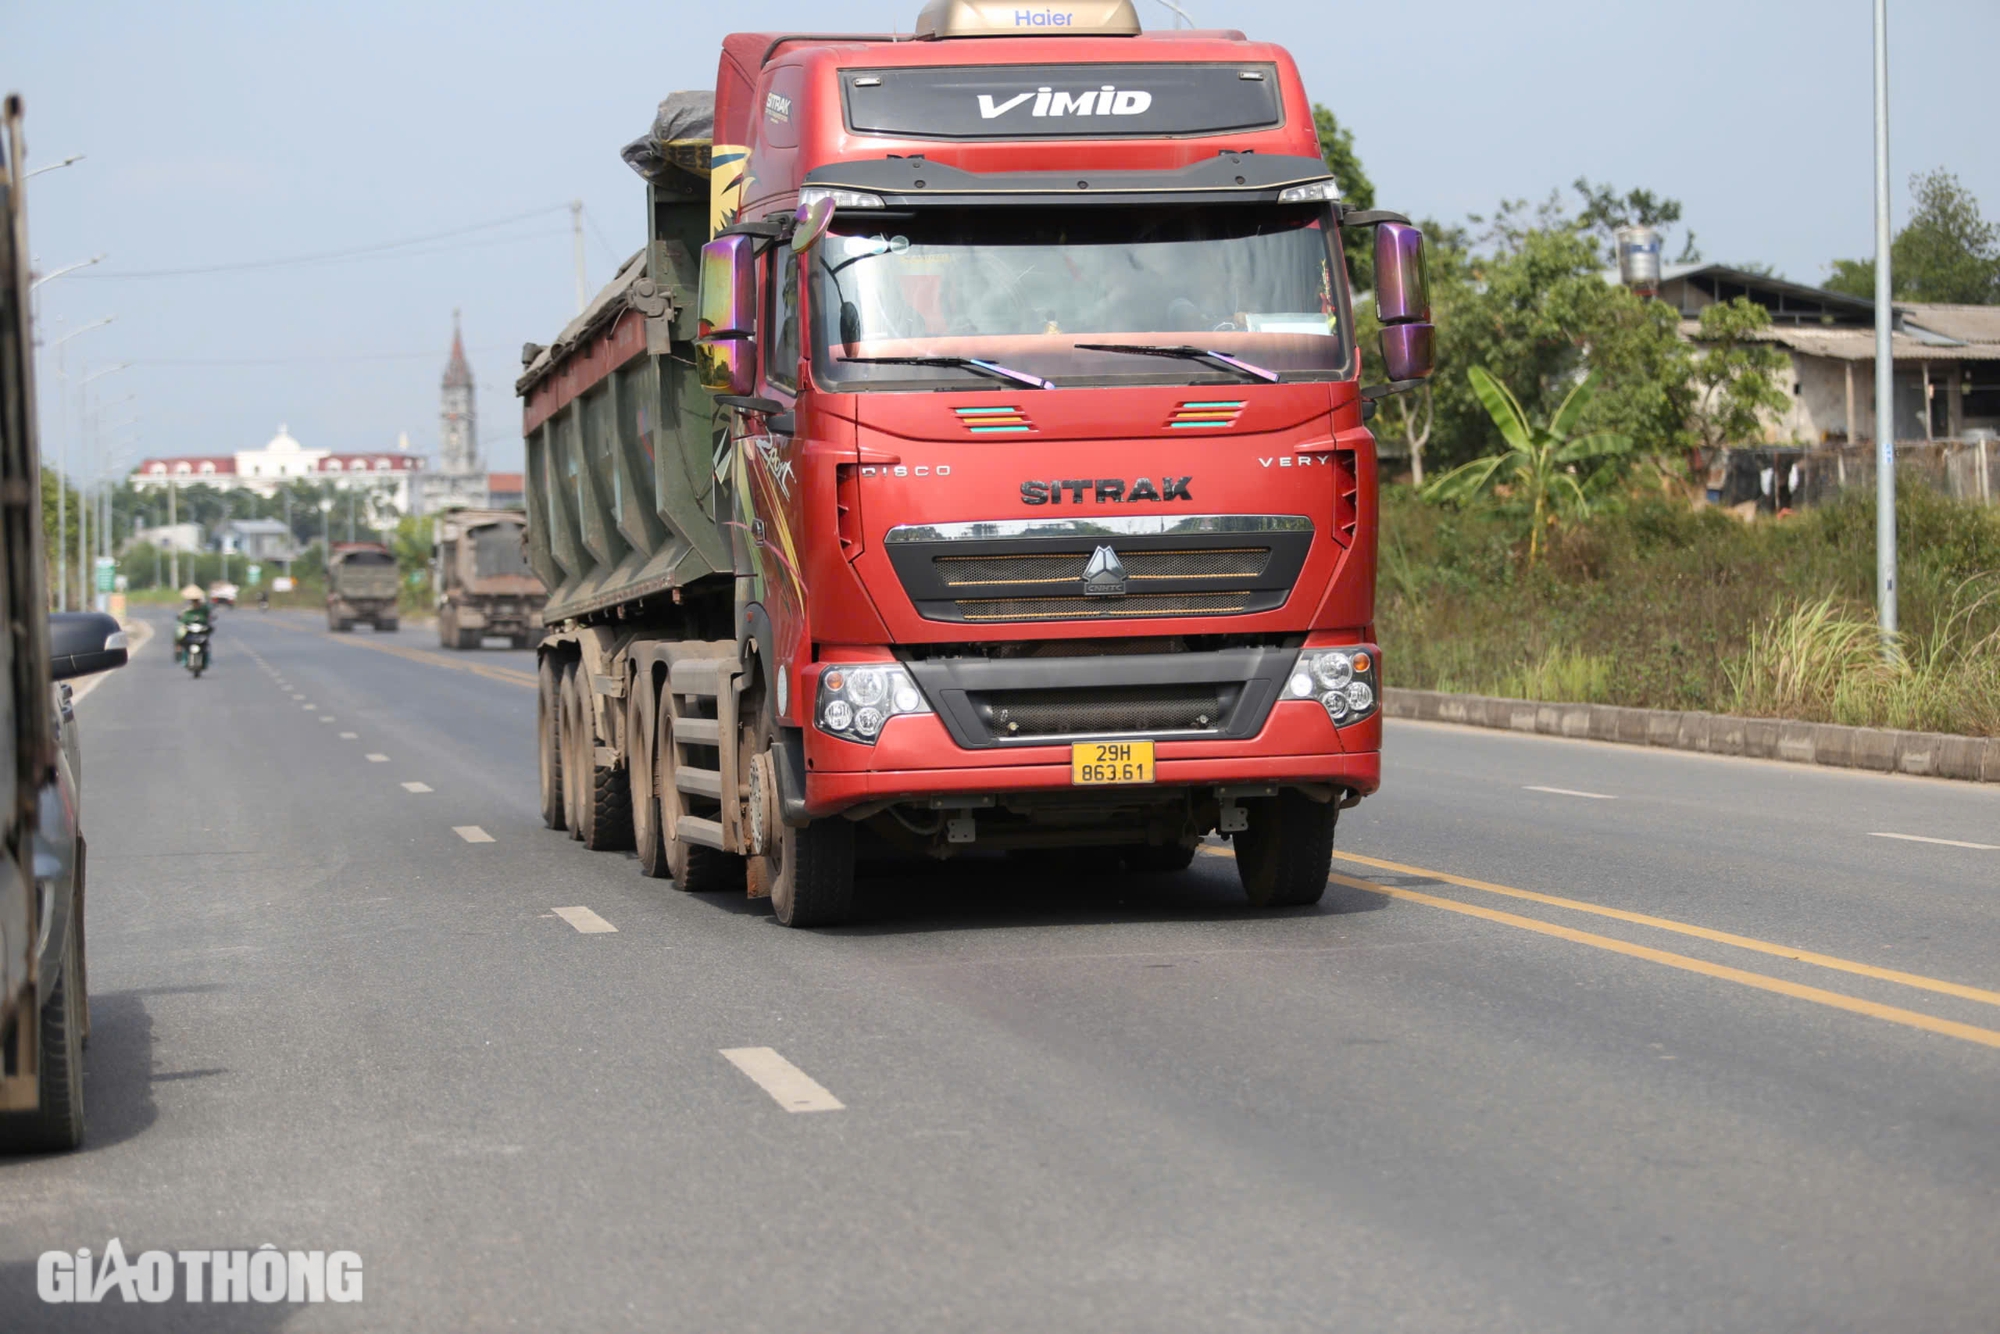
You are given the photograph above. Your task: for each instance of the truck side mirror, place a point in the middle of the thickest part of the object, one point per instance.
(1403, 303)
(726, 338)
(810, 223)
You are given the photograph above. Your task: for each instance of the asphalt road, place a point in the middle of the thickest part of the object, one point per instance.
(1582, 1038)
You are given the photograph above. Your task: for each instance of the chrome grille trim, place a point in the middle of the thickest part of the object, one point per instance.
(1120, 525)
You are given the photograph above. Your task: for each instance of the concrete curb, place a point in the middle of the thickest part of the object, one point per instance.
(1970, 758)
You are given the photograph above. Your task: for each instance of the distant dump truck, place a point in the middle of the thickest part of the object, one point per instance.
(484, 583)
(361, 584)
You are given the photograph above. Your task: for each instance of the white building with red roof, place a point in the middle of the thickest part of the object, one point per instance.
(389, 474)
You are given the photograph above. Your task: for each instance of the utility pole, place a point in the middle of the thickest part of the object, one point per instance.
(1885, 359)
(173, 518)
(576, 231)
(62, 468)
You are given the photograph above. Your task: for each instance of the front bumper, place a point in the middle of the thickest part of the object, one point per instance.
(916, 758)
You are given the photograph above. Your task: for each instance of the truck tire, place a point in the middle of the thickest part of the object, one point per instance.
(1285, 854)
(695, 867)
(387, 627)
(548, 741)
(811, 873)
(603, 813)
(447, 631)
(574, 771)
(469, 640)
(641, 729)
(56, 1124)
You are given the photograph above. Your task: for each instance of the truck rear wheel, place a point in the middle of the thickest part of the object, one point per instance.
(469, 640)
(695, 867)
(642, 731)
(574, 771)
(1285, 854)
(601, 817)
(58, 1122)
(388, 627)
(811, 872)
(548, 741)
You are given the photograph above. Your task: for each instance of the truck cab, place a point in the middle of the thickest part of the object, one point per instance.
(1040, 471)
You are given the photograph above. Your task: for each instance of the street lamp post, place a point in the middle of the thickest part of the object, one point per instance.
(62, 414)
(62, 475)
(1885, 359)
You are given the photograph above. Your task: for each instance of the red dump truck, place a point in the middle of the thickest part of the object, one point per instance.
(973, 459)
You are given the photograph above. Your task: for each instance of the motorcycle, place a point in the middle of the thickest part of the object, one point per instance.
(194, 648)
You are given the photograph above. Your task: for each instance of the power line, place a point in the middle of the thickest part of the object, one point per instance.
(609, 252)
(327, 256)
(311, 360)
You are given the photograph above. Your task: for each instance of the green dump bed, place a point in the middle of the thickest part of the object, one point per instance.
(621, 437)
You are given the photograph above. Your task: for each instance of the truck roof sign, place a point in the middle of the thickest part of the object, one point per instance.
(1060, 101)
(1027, 18)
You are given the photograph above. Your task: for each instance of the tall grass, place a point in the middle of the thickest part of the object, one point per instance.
(1660, 605)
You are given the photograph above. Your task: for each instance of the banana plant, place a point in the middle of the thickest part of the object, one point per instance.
(1539, 466)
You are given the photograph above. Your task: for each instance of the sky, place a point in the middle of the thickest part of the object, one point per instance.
(225, 134)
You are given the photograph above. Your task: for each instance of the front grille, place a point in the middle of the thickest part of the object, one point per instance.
(1107, 609)
(1051, 713)
(1060, 567)
(1151, 565)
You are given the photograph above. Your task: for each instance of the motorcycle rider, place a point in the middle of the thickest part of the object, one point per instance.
(195, 613)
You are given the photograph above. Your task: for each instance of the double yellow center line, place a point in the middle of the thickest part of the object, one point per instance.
(1779, 986)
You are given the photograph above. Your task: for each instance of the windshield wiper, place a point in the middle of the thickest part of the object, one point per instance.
(1185, 353)
(991, 369)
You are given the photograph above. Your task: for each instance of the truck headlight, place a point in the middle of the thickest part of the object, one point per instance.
(856, 701)
(1344, 678)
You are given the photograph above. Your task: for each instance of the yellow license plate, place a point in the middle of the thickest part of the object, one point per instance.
(1102, 763)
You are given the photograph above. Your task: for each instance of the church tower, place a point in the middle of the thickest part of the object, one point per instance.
(458, 455)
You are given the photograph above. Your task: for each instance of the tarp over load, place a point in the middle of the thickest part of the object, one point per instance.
(683, 136)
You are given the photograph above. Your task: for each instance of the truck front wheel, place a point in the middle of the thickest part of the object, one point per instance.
(1285, 854)
(811, 872)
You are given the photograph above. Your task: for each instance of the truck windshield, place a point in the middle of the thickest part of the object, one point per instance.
(496, 551)
(1025, 287)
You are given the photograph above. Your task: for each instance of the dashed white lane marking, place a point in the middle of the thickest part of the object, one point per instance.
(792, 1088)
(326, 717)
(350, 736)
(586, 921)
(472, 833)
(377, 759)
(310, 707)
(1569, 792)
(416, 787)
(1947, 842)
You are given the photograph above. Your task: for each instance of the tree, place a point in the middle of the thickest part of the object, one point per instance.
(1735, 375)
(1336, 145)
(1547, 470)
(1538, 314)
(1947, 252)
